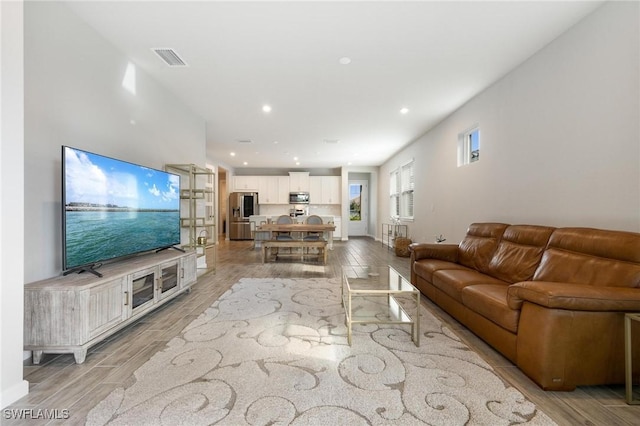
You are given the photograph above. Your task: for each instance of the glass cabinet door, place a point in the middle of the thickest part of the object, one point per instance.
(142, 289)
(169, 278)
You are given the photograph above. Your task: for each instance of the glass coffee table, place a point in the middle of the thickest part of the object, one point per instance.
(369, 296)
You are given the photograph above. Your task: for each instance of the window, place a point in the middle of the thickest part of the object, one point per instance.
(355, 202)
(394, 190)
(469, 146)
(401, 186)
(406, 196)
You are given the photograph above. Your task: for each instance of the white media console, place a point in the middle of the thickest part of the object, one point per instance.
(69, 314)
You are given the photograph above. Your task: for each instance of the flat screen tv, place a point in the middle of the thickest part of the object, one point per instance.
(112, 209)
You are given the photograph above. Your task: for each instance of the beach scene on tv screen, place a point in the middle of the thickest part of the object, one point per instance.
(114, 208)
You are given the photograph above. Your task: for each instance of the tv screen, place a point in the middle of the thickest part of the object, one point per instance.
(112, 209)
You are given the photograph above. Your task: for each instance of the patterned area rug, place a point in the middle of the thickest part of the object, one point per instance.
(274, 351)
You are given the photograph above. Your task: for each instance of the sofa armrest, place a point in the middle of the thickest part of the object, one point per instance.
(448, 252)
(575, 297)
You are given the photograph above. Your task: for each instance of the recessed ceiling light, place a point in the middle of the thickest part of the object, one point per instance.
(275, 142)
(297, 163)
(295, 158)
(245, 163)
(345, 60)
(233, 154)
(404, 110)
(266, 108)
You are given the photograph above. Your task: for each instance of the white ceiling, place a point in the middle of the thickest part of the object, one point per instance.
(430, 57)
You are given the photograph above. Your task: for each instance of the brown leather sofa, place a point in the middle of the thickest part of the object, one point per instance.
(551, 300)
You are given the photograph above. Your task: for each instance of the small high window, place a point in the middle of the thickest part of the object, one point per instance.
(469, 146)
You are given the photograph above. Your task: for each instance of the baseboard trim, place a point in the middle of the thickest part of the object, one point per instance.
(14, 393)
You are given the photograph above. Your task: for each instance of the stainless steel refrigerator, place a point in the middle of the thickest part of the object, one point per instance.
(241, 206)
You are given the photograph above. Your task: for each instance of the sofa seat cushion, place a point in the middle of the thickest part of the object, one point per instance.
(490, 301)
(426, 267)
(452, 281)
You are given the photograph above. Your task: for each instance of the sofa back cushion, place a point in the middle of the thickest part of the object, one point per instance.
(519, 252)
(477, 248)
(591, 256)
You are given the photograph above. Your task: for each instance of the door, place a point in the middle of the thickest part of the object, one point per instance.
(358, 207)
(106, 307)
(248, 205)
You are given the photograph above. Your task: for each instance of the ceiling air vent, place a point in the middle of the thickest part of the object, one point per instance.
(170, 57)
(245, 141)
(331, 141)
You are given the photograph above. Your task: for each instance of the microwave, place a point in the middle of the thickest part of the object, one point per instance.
(298, 198)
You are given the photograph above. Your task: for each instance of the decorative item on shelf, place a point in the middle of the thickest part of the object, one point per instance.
(202, 240)
(440, 239)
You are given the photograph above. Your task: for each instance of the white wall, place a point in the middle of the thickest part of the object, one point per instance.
(12, 386)
(559, 140)
(74, 96)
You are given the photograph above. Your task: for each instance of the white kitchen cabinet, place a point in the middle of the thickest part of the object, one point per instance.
(69, 314)
(331, 189)
(299, 181)
(245, 183)
(324, 189)
(283, 189)
(273, 189)
(266, 189)
(315, 190)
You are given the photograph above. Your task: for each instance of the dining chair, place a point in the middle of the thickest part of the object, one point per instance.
(314, 235)
(283, 236)
(284, 220)
(313, 220)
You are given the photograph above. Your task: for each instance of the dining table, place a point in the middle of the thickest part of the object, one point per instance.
(300, 229)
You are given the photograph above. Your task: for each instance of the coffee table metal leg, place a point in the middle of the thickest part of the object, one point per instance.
(417, 319)
(628, 367)
(349, 319)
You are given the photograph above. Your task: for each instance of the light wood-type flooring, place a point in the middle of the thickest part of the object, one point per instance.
(59, 384)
